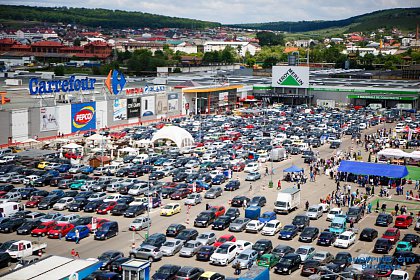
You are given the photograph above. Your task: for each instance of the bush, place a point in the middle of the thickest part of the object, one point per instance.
(176, 70)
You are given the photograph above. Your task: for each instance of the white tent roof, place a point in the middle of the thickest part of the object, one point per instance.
(128, 150)
(72, 146)
(393, 153)
(179, 136)
(97, 137)
(30, 140)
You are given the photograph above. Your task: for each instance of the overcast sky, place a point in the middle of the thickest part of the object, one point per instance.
(237, 11)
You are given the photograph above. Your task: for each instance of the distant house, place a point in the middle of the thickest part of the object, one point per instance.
(241, 47)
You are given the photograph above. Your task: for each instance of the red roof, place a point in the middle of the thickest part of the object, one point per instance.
(47, 44)
(75, 48)
(7, 41)
(98, 43)
(21, 47)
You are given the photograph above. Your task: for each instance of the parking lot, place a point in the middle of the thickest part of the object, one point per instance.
(310, 191)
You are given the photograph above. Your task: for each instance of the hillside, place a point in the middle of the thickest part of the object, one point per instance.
(96, 18)
(403, 19)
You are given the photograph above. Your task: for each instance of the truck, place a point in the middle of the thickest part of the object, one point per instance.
(253, 212)
(278, 154)
(338, 225)
(24, 248)
(287, 201)
(256, 273)
(9, 208)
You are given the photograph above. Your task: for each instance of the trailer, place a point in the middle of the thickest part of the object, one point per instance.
(278, 154)
(253, 212)
(287, 200)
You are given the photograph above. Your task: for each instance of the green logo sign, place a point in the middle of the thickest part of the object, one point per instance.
(290, 78)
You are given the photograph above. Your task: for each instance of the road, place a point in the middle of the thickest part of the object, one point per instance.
(311, 191)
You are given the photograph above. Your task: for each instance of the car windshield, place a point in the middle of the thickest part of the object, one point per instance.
(390, 233)
(242, 257)
(401, 245)
(259, 246)
(396, 277)
(319, 256)
(336, 225)
(299, 219)
(58, 228)
(353, 211)
(343, 237)
(203, 236)
(280, 204)
(189, 245)
(222, 250)
(222, 239)
(164, 270)
(334, 212)
(301, 251)
(42, 226)
(313, 209)
(169, 207)
(286, 261)
(288, 228)
(169, 244)
(400, 219)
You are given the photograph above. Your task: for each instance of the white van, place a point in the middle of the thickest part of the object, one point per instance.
(8, 208)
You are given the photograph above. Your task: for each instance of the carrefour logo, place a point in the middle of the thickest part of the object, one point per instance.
(115, 81)
(83, 117)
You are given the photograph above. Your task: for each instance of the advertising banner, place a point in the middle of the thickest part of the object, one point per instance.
(290, 76)
(148, 106)
(120, 109)
(133, 107)
(173, 102)
(161, 104)
(48, 118)
(83, 116)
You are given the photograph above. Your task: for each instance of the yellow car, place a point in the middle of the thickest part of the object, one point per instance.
(210, 275)
(170, 209)
(43, 164)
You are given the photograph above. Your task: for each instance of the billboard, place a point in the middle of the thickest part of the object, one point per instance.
(120, 109)
(173, 102)
(83, 116)
(290, 76)
(133, 107)
(48, 118)
(148, 106)
(161, 103)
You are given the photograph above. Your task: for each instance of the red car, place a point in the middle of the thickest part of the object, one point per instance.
(99, 223)
(67, 176)
(117, 135)
(198, 188)
(43, 228)
(34, 201)
(403, 221)
(180, 194)
(392, 234)
(170, 185)
(218, 210)
(60, 228)
(224, 238)
(238, 167)
(106, 207)
(70, 155)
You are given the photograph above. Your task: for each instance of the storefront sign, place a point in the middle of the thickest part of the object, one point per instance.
(173, 102)
(148, 105)
(151, 89)
(69, 85)
(48, 117)
(133, 107)
(120, 109)
(83, 116)
(381, 97)
(290, 76)
(115, 81)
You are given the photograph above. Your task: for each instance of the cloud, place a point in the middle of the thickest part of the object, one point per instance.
(237, 11)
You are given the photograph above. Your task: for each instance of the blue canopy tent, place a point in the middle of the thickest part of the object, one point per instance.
(293, 169)
(373, 169)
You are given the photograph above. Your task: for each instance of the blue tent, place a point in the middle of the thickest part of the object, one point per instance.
(293, 169)
(375, 169)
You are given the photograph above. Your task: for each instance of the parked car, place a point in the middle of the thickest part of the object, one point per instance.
(224, 254)
(288, 232)
(205, 253)
(288, 263)
(171, 247)
(174, 229)
(368, 234)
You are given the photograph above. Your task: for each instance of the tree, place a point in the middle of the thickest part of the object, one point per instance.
(227, 55)
(270, 62)
(267, 38)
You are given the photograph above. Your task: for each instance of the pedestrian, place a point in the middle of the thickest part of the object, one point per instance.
(397, 208)
(351, 223)
(298, 185)
(77, 255)
(266, 171)
(76, 233)
(383, 208)
(73, 253)
(250, 186)
(237, 268)
(369, 207)
(245, 204)
(207, 206)
(279, 185)
(306, 205)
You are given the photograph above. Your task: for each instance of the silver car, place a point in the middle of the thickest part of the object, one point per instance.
(190, 248)
(171, 247)
(239, 224)
(417, 226)
(253, 176)
(146, 252)
(206, 238)
(193, 199)
(246, 258)
(140, 223)
(213, 192)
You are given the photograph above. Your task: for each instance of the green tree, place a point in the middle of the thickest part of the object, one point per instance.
(227, 55)
(267, 38)
(270, 62)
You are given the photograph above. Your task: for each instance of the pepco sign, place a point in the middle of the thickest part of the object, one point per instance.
(83, 116)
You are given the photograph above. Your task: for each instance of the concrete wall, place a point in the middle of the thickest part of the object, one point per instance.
(338, 97)
(5, 126)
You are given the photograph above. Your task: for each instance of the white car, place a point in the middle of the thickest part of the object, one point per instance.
(75, 168)
(140, 223)
(30, 178)
(112, 197)
(11, 197)
(325, 207)
(251, 167)
(68, 219)
(254, 226)
(417, 226)
(224, 254)
(97, 196)
(345, 240)
(333, 212)
(63, 203)
(271, 228)
(399, 275)
(314, 212)
(138, 189)
(139, 201)
(243, 245)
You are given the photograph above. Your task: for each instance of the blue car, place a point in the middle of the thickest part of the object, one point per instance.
(53, 173)
(59, 193)
(232, 185)
(86, 169)
(288, 232)
(267, 216)
(83, 233)
(218, 179)
(202, 184)
(63, 168)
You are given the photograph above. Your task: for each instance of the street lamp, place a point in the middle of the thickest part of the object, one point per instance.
(102, 140)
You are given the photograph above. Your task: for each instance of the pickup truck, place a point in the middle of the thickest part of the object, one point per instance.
(23, 248)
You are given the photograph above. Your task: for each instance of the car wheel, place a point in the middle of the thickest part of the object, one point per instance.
(133, 256)
(289, 272)
(150, 259)
(43, 234)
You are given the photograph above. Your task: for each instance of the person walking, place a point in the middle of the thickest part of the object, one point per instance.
(237, 268)
(396, 208)
(306, 205)
(77, 235)
(369, 208)
(279, 185)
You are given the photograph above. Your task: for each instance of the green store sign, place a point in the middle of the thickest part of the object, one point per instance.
(378, 91)
(381, 97)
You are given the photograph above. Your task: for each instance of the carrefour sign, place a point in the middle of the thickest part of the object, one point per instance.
(290, 76)
(69, 85)
(83, 116)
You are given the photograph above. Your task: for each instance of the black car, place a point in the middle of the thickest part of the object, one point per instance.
(6, 245)
(233, 213)
(78, 204)
(83, 221)
(384, 220)
(12, 225)
(301, 221)
(166, 192)
(166, 272)
(354, 214)
(92, 206)
(156, 240)
(126, 199)
(287, 264)
(135, 210)
(204, 253)
(70, 193)
(119, 209)
(174, 229)
(385, 266)
(310, 267)
(26, 193)
(156, 175)
(204, 219)
(281, 250)
(368, 234)
(43, 193)
(331, 271)
(263, 246)
(258, 201)
(309, 234)
(188, 272)
(5, 259)
(382, 245)
(221, 223)
(187, 234)
(6, 188)
(180, 177)
(134, 172)
(343, 259)
(232, 185)
(27, 227)
(122, 172)
(326, 238)
(108, 257)
(406, 258)
(48, 202)
(238, 201)
(116, 266)
(414, 239)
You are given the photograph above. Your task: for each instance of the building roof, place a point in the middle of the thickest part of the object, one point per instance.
(47, 44)
(178, 135)
(7, 41)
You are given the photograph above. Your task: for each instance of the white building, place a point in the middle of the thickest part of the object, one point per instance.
(241, 47)
(364, 51)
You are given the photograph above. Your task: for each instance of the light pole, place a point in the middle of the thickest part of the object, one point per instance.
(102, 140)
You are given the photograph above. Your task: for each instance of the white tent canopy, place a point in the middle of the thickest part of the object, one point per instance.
(179, 136)
(72, 146)
(97, 137)
(393, 153)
